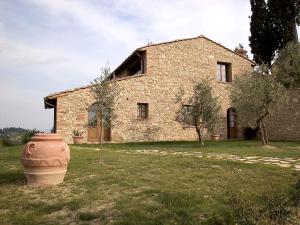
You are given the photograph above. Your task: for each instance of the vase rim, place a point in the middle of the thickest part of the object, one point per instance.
(46, 137)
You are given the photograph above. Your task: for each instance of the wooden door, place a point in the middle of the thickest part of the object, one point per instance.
(231, 124)
(93, 134)
(94, 127)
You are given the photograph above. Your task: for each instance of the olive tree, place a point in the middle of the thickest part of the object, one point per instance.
(256, 95)
(105, 91)
(287, 65)
(201, 109)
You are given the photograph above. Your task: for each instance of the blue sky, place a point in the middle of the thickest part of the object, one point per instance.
(52, 45)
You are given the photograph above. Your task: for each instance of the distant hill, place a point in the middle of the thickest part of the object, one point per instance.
(14, 135)
(12, 131)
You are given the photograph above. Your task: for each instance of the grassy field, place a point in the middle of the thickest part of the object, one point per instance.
(134, 188)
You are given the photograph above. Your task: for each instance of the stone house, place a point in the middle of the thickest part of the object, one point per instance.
(149, 79)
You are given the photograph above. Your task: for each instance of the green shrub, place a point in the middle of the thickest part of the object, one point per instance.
(6, 141)
(27, 136)
(273, 207)
(245, 211)
(296, 194)
(277, 206)
(88, 216)
(219, 219)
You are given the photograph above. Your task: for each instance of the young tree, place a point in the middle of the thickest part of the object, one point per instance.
(105, 91)
(200, 110)
(287, 65)
(256, 96)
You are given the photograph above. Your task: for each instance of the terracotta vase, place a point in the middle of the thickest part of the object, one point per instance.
(215, 137)
(78, 140)
(45, 159)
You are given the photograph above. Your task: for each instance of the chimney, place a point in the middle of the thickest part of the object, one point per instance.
(241, 51)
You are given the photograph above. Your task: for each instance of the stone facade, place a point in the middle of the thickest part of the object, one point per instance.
(169, 66)
(285, 123)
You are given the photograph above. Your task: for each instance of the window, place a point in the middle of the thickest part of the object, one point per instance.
(224, 72)
(135, 64)
(135, 68)
(92, 116)
(188, 115)
(142, 110)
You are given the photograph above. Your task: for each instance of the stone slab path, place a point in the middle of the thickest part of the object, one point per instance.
(281, 162)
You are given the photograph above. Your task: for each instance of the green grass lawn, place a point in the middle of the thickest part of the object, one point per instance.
(132, 188)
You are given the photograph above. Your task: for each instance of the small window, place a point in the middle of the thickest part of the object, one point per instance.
(188, 115)
(142, 110)
(224, 72)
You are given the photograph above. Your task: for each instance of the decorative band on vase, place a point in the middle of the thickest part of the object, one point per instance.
(44, 162)
(52, 173)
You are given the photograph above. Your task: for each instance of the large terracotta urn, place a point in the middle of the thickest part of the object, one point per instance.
(45, 159)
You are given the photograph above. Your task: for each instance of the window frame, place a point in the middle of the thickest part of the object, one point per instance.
(187, 123)
(224, 72)
(142, 110)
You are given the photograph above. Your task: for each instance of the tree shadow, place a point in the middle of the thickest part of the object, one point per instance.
(13, 177)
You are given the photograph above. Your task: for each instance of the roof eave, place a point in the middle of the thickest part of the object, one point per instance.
(127, 59)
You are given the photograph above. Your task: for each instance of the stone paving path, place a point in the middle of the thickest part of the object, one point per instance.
(281, 162)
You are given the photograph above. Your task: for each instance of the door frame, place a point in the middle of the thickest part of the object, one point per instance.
(93, 131)
(232, 134)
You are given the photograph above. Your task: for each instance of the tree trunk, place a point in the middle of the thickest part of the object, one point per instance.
(265, 133)
(262, 133)
(101, 141)
(199, 135)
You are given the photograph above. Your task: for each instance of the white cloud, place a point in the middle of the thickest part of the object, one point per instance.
(224, 21)
(97, 19)
(46, 65)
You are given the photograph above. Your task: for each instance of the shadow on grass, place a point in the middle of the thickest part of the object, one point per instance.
(14, 177)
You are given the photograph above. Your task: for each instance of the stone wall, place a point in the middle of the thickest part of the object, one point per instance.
(169, 67)
(285, 123)
(72, 113)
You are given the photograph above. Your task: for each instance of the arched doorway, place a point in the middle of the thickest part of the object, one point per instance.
(94, 127)
(231, 124)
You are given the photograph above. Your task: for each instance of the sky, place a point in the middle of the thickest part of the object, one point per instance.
(53, 45)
